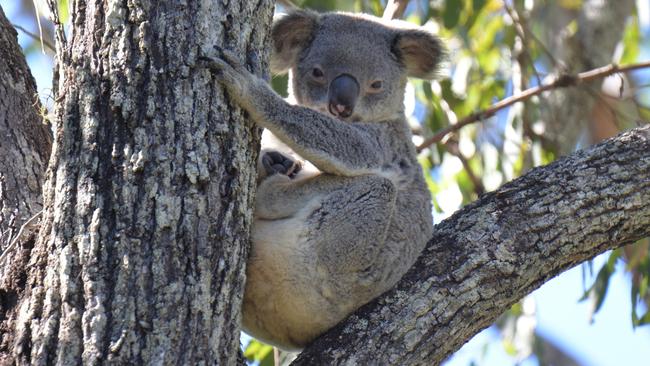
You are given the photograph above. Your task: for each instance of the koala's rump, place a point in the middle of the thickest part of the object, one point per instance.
(298, 284)
(280, 299)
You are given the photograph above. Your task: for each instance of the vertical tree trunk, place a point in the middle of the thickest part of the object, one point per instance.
(141, 256)
(25, 144)
(25, 141)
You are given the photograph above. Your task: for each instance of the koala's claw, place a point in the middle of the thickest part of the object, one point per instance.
(231, 58)
(232, 74)
(278, 163)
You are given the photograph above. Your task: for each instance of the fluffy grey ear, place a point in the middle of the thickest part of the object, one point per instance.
(420, 51)
(290, 34)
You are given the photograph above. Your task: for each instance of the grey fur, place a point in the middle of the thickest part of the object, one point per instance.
(354, 218)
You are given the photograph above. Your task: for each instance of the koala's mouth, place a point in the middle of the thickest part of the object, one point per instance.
(339, 110)
(346, 117)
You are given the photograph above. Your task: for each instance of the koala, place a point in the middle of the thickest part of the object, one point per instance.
(342, 210)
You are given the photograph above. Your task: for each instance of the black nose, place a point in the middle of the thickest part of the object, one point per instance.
(343, 94)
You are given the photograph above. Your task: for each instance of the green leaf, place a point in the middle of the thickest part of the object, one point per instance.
(516, 309)
(548, 157)
(377, 8)
(477, 5)
(280, 84)
(570, 4)
(645, 319)
(427, 165)
(451, 14)
(598, 290)
(466, 186)
(63, 11)
(631, 41)
(485, 36)
(327, 5)
(473, 100)
(644, 113)
(260, 352)
(437, 118)
(643, 287)
(510, 348)
(268, 360)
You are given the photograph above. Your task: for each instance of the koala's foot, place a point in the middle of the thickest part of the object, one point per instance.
(277, 163)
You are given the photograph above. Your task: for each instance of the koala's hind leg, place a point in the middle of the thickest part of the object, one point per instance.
(348, 234)
(317, 261)
(348, 216)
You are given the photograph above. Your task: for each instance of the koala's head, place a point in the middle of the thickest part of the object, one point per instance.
(352, 66)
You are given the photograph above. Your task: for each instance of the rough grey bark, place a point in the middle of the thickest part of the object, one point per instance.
(24, 138)
(495, 251)
(601, 24)
(25, 144)
(141, 256)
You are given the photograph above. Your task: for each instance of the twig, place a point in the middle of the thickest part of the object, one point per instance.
(288, 4)
(522, 34)
(20, 234)
(38, 22)
(562, 81)
(35, 37)
(394, 9)
(532, 36)
(59, 34)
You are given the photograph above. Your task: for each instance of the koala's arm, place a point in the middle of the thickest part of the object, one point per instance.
(333, 146)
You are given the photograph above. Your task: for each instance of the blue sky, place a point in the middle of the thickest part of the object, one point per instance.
(609, 341)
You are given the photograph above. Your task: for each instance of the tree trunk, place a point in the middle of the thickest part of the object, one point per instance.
(25, 144)
(496, 250)
(141, 256)
(25, 138)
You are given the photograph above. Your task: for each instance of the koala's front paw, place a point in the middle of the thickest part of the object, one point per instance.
(277, 163)
(231, 74)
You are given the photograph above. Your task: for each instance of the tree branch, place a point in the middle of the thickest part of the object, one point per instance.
(498, 249)
(26, 226)
(395, 9)
(562, 81)
(36, 37)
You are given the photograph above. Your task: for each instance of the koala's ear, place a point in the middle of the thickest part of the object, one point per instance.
(420, 51)
(290, 34)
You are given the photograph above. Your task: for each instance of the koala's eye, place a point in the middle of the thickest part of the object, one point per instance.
(376, 86)
(317, 73)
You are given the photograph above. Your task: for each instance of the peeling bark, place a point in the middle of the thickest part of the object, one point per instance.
(141, 256)
(495, 251)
